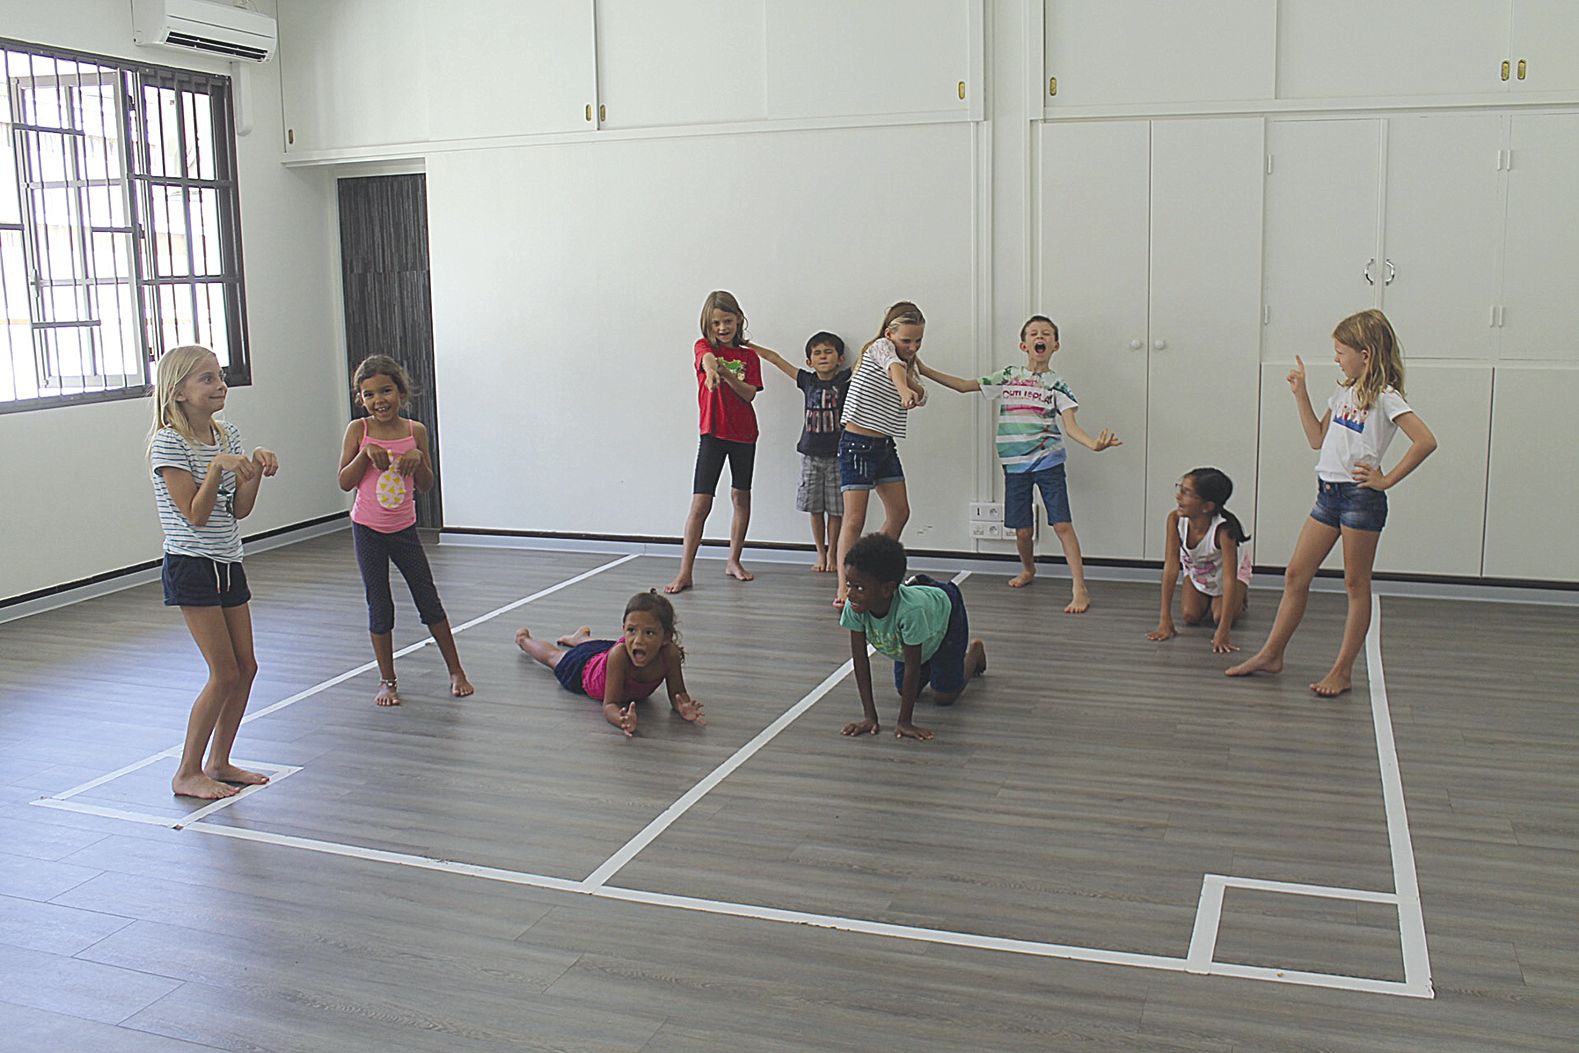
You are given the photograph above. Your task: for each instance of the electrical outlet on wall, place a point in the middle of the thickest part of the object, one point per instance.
(983, 530)
(986, 511)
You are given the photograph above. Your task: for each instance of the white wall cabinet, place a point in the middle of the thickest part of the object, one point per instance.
(1540, 308)
(1532, 501)
(1150, 261)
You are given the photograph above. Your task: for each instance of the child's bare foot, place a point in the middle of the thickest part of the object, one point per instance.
(580, 636)
(976, 658)
(821, 565)
(387, 695)
(202, 787)
(522, 635)
(1332, 685)
(689, 708)
(678, 585)
(231, 773)
(1022, 579)
(1079, 603)
(622, 717)
(1257, 663)
(460, 687)
(738, 572)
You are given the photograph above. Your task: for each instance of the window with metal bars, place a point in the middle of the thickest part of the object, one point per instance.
(120, 230)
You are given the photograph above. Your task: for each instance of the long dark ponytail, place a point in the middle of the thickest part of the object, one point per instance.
(1211, 484)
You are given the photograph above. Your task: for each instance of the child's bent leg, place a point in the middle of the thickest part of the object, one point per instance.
(238, 623)
(1025, 545)
(975, 665)
(741, 499)
(855, 502)
(546, 653)
(695, 520)
(1315, 541)
(1079, 599)
(212, 636)
(460, 687)
(1359, 556)
(896, 507)
(1193, 603)
(405, 549)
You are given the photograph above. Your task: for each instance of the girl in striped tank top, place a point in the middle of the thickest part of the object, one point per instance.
(384, 458)
(203, 484)
(885, 386)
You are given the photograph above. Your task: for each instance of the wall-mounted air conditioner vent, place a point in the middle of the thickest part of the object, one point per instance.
(212, 26)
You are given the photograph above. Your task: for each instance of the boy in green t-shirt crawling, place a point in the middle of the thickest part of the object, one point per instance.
(920, 623)
(1032, 402)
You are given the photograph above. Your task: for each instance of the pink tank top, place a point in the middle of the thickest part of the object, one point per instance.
(386, 501)
(595, 680)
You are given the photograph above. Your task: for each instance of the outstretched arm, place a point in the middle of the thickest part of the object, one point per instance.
(674, 680)
(775, 359)
(948, 380)
(1313, 427)
(1170, 580)
(907, 697)
(1221, 644)
(1073, 429)
(862, 663)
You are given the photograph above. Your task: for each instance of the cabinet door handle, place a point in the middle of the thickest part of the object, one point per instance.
(1505, 69)
(1159, 345)
(589, 111)
(1522, 68)
(1392, 272)
(1136, 345)
(1367, 271)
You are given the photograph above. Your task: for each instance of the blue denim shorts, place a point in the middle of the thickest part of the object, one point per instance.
(945, 670)
(866, 461)
(1017, 511)
(1349, 505)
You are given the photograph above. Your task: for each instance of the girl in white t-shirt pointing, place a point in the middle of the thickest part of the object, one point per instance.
(1363, 414)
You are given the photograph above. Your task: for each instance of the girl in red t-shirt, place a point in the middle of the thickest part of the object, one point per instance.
(728, 377)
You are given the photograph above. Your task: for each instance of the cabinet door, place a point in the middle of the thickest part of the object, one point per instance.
(1541, 314)
(1206, 180)
(1092, 265)
(665, 62)
(1151, 51)
(500, 67)
(1434, 520)
(874, 57)
(353, 73)
(1321, 229)
(1546, 35)
(1532, 502)
(1344, 49)
(1439, 279)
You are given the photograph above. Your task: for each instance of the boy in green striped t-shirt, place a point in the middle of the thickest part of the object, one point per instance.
(1032, 402)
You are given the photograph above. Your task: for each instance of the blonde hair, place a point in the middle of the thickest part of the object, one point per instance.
(175, 366)
(723, 300)
(902, 313)
(1371, 332)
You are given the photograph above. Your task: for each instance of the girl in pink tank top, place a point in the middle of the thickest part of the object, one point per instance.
(384, 458)
(620, 673)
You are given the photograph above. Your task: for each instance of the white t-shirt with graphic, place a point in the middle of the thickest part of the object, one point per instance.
(1357, 436)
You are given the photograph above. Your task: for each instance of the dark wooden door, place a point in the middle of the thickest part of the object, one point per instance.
(388, 298)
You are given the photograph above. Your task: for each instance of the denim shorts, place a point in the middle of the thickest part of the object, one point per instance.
(196, 581)
(945, 670)
(573, 663)
(1349, 505)
(1017, 511)
(866, 461)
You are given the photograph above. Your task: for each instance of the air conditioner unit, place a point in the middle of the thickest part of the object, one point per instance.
(214, 27)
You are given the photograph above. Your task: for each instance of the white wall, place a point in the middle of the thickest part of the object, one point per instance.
(78, 501)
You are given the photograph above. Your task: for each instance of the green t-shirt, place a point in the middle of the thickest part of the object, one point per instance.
(918, 615)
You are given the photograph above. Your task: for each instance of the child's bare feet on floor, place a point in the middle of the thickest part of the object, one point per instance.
(679, 584)
(231, 773)
(738, 572)
(1022, 579)
(1332, 685)
(1079, 603)
(201, 787)
(387, 695)
(580, 636)
(460, 687)
(1258, 663)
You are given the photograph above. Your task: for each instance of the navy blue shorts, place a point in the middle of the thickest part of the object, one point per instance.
(196, 581)
(1349, 505)
(945, 670)
(866, 461)
(573, 663)
(1017, 511)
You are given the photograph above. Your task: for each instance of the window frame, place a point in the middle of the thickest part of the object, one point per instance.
(141, 180)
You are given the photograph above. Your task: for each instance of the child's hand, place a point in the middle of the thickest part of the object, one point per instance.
(1370, 477)
(912, 731)
(861, 727)
(1221, 644)
(711, 377)
(1163, 631)
(1296, 376)
(409, 462)
(378, 455)
(689, 708)
(1104, 439)
(622, 717)
(241, 467)
(265, 460)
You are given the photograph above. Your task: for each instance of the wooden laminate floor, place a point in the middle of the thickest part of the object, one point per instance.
(1075, 796)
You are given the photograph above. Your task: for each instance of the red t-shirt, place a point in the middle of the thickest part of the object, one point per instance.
(725, 415)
